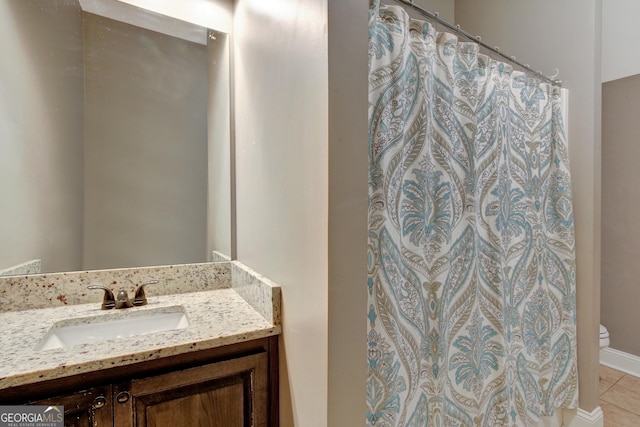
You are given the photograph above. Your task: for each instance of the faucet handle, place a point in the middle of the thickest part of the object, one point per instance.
(140, 298)
(108, 302)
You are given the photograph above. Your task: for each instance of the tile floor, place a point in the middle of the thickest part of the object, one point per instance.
(619, 398)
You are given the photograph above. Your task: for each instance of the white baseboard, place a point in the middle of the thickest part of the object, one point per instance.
(616, 359)
(581, 418)
(624, 362)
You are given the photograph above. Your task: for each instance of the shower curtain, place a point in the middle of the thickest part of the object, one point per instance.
(471, 237)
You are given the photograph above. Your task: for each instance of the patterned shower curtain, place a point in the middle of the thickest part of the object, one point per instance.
(471, 237)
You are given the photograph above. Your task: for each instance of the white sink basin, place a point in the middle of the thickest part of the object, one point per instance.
(116, 325)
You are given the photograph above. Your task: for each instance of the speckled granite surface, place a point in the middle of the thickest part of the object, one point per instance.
(243, 306)
(59, 289)
(219, 257)
(30, 267)
(217, 318)
(263, 295)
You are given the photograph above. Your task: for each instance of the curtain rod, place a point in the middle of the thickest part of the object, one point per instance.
(434, 16)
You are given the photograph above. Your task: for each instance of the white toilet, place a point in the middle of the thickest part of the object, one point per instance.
(604, 337)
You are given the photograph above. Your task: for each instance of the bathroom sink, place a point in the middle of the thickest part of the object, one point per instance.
(122, 324)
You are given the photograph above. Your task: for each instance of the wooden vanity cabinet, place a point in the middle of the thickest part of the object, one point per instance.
(231, 393)
(86, 408)
(232, 386)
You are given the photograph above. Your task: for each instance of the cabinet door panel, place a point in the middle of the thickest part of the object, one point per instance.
(87, 408)
(230, 393)
(213, 408)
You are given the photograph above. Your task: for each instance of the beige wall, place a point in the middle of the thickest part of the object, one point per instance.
(620, 207)
(619, 23)
(219, 143)
(566, 35)
(282, 183)
(41, 135)
(145, 151)
(348, 203)
(444, 7)
(216, 15)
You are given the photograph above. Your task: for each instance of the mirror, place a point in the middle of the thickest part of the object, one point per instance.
(115, 137)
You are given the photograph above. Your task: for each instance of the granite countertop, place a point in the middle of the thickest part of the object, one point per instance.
(217, 317)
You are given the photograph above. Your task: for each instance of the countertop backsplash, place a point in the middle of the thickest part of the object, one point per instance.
(59, 289)
(261, 293)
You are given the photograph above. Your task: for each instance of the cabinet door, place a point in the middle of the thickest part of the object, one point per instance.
(87, 408)
(230, 393)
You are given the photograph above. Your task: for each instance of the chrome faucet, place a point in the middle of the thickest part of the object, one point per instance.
(122, 300)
